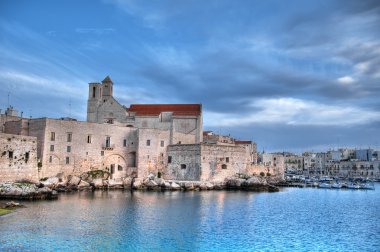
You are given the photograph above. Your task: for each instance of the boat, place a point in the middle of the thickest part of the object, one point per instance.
(324, 185)
(353, 186)
(336, 185)
(367, 186)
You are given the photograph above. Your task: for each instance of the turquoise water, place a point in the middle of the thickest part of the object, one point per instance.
(291, 220)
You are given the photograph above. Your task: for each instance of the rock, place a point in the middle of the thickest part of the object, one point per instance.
(151, 176)
(166, 185)
(73, 181)
(234, 183)
(44, 190)
(160, 181)
(84, 185)
(127, 183)
(98, 183)
(137, 184)
(115, 184)
(189, 186)
(174, 186)
(151, 184)
(51, 182)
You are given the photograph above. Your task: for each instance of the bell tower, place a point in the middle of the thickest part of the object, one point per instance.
(93, 102)
(107, 85)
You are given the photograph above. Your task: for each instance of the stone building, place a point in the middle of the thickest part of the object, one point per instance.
(205, 162)
(18, 157)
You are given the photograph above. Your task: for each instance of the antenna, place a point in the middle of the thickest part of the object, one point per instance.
(9, 93)
(70, 108)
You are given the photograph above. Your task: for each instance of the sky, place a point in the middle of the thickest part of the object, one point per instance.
(289, 75)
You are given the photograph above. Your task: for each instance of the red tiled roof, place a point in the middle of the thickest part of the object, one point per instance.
(243, 142)
(157, 109)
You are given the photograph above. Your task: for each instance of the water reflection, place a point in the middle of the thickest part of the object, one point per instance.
(116, 220)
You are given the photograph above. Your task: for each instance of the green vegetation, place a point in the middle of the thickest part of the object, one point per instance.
(4, 211)
(262, 174)
(268, 174)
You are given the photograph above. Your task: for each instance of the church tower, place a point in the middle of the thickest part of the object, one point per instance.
(107, 85)
(94, 100)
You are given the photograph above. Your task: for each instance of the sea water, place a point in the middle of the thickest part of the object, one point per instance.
(295, 219)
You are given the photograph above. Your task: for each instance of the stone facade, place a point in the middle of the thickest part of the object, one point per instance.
(205, 162)
(18, 157)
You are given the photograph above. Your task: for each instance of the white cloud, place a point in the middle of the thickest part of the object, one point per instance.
(346, 80)
(292, 111)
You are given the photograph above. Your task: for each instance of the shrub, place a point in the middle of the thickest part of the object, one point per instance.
(268, 174)
(262, 174)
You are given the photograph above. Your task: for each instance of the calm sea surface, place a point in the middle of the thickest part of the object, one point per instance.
(291, 220)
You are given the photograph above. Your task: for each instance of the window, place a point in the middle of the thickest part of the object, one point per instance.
(26, 156)
(112, 168)
(69, 137)
(183, 166)
(108, 142)
(227, 159)
(52, 136)
(125, 143)
(68, 148)
(162, 143)
(102, 153)
(51, 147)
(119, 168)
(10, 154)
(179, 142)
(51, 159)
(89, 139)
(224, 166)
(147, 142)
(169, 159)
(93, 92)
(67, 160)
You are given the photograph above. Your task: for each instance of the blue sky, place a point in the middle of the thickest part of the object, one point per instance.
(290, 75)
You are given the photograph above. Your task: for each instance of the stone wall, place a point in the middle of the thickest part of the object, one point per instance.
(18, 157)
(205, 162)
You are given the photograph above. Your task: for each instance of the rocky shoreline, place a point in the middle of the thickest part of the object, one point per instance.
(50, 187)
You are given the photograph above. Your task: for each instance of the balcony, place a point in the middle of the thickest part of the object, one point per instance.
(108, 146)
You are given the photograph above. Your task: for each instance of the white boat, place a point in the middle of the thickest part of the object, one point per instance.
(367, 186)
(353, 186)
(324, 185)
(336, 185)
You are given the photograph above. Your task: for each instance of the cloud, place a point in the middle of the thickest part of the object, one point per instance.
(346, 80)
(97, 31)
(290, 111)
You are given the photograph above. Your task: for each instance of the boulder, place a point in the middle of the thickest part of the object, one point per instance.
(151, 176)
(127, 183)
(174, 186)
(98, 183)
(73, 181)
(160, 181)
(234, 183)
(51, 182)
(137, 184)
(189, 186)
(151, 184)
(84, 185)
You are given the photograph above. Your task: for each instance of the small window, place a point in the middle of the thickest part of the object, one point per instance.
(224, 166)
(52, 136)
(162, 143)
(183, 166)
(125, 143)
(169, 159)
(119, 168)
(10, 154)
(89, 139)
(227, 159)
(108, 142)
(147, 156)
(147, 142)
(51, 147)
(26, 156)
(51, 159)
(179, 142)
(68, 148)
(69, 137)
(131, 143)
(67, 160)
(102, 153)
(93, 92)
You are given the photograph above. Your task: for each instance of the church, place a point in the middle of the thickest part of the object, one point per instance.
(165, 139)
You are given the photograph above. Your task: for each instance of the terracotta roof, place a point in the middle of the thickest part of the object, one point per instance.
(243, 142)
(157, 109)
